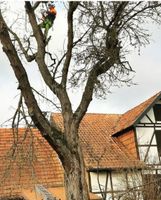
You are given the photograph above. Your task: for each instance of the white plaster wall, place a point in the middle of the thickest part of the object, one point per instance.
(144, 135)
(152, 156)
(102, 180)
(150, 115)
(144, 120)
(119, 181)
(134, 179)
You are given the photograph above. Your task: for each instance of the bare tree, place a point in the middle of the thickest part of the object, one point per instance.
(99, 36)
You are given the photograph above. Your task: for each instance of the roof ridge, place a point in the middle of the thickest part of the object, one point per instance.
(157, 94)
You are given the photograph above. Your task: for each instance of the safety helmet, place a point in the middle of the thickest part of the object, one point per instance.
(51, 4)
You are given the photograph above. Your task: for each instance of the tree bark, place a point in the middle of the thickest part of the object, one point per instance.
(74, 174)
(74, 166)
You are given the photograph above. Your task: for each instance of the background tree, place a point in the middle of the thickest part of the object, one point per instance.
(99, 36)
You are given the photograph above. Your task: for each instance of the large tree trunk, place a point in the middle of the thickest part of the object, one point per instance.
(75, 180)
(74, 167)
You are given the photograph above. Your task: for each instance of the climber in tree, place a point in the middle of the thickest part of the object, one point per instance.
(48, 17)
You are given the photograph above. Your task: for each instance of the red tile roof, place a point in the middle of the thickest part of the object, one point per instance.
(99, 148)
(32, 163)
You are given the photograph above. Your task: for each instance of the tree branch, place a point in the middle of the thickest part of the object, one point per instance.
(41, 47)
(87, 94)
(54, 104)
(142, 10)
(118, 14)
(29, 58)
(72, 8)
(36, 4)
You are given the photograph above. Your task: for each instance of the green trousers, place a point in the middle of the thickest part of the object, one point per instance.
(47, 24)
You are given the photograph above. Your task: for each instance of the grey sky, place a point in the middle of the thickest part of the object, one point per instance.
(148, 77)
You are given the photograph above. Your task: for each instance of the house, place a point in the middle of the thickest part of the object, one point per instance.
(121, 152)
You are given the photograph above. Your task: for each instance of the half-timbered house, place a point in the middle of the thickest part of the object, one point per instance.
(138, 131)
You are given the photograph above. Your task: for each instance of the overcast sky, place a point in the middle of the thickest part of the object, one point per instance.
(148, 77)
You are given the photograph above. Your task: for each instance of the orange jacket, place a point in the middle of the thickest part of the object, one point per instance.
(52, 10)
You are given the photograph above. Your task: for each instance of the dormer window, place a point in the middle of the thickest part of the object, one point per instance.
(157, 112)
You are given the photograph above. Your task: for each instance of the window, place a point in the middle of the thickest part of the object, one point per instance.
(158, 139)
(157, 112)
